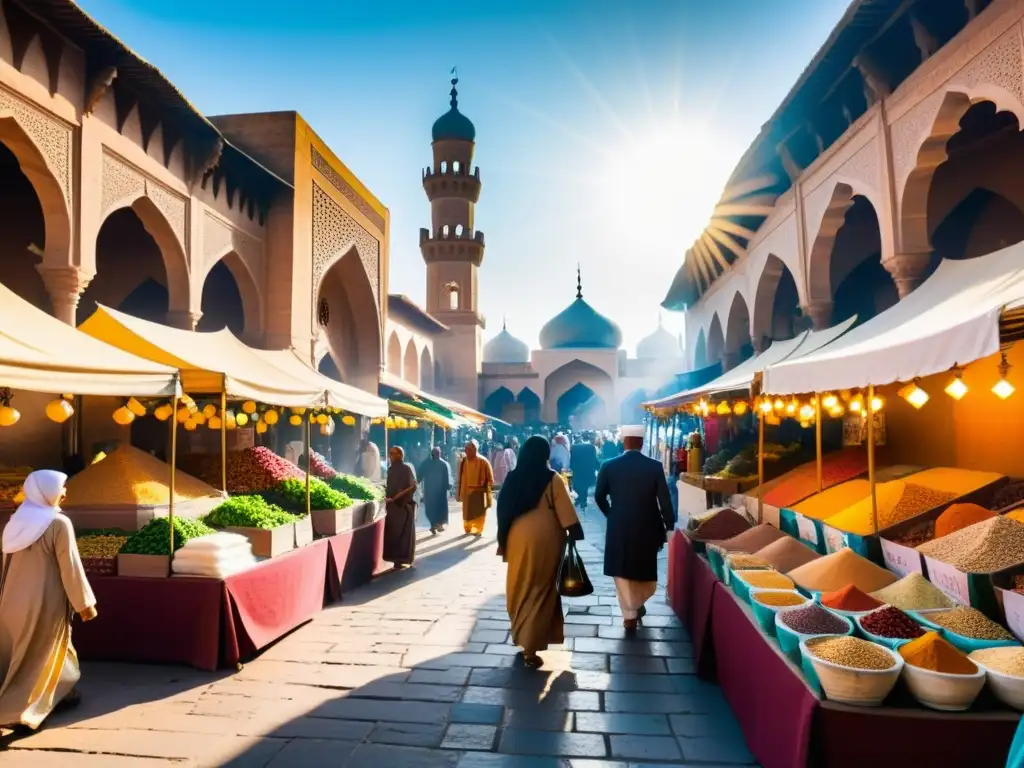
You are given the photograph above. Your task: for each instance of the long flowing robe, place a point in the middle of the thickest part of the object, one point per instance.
(476, 479)
(400, 523)
(584, 464)
(436, 481)
(44, 583)
(532, 552)
(504, 462)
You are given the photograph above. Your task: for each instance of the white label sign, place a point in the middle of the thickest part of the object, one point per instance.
(835, 539)
(1013, 605)
(806, 528)
(899, 559)
(949, 580)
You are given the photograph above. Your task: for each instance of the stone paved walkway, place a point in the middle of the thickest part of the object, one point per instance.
(414, 670)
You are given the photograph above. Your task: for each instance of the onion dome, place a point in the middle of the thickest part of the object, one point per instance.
(658, 345)
(453, 124)
(506, 348)
(580, 326)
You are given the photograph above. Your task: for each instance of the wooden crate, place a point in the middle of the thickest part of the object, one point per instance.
(269, 543)
(150, 566)
(303, 531)
(328, 522)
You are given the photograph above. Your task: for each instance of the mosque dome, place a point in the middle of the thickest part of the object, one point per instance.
(453, 124)
(659, 345)
(506, 348)
(580, 326)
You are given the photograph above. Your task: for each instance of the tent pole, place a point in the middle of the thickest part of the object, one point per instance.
(817, 439)
(173, 463)
(871, 457)
(760, 465)
(309, 459)
(224, 438)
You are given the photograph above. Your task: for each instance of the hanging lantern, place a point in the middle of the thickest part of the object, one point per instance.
(198, 418)
(389, 423)
(261, 427)
(242, 419)
(876, 404)
(295, 420)
(59, 410)
(322, 419)
(413, 424)
(791, 407)
(1003, 388)
(182, 415)
(766, 405)
(190, 425)
(210, 411)
(348, 421)
(913, 394)
(723, 409)
(271, 417)
(857, 404)
(229, 420)
(214, 422)
(740, 407)
(327, 429)
(956, 387)
(249, 407)
(778, 405)
(135, 407)
(299, 411)
(123, 416)
(806, 413)
(163, 412)
(829, 401)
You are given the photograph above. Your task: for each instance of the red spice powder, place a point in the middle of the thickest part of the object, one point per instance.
(849, 598)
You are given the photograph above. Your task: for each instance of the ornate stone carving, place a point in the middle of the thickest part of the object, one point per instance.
(173, 207)
(334, 233)
(321, 164)
(863, 166)
(219, 237)
(999, 64)
(52, 137)
(909, 132)
(122, 182)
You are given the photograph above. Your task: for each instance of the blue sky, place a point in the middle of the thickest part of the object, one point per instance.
(605, 129)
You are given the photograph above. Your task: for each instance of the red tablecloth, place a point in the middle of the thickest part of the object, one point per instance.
(355, 556)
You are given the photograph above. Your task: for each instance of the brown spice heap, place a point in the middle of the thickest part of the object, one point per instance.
(984, 547)
(747, 562)
(1009, 659)
(786, 554)
(970, 622)
(839, 569)
(959, 516)
(851, 652)
(918, 536)
(724, 524)
(751, 540)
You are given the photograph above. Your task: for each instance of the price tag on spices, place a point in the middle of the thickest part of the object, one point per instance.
(899, 559)
(1013, 605)
(806, 528)
(835, 539)
(950, 580)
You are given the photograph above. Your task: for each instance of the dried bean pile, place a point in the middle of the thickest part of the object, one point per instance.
(984, 547)
(891, 622)
(814, 620)
(970, 622)
(913, 593)
(851, 652)
(722, 525)
(1009, 660)
(918, 536)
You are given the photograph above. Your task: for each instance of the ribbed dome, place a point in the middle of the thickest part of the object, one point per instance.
(453, 124)
(506, 348)
(658, 345)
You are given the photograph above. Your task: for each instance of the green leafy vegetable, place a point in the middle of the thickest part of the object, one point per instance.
(248, 512)
(357, 488)
(321, 495)
(153, 538)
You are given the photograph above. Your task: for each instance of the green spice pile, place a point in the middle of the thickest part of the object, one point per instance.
(913, 593)
(1009, 659)
(851, 652)
(970, 622)
(357, 488)
(248, 512)
(984, 547)
(153, 538)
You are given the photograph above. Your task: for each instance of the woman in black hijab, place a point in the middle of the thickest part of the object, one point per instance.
(534, 513)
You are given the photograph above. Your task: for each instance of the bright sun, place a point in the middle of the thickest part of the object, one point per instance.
(660, 188)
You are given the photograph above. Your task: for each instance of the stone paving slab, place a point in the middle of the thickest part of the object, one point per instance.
(415, 670)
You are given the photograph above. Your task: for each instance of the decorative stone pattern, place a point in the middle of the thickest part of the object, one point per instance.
(173, 207)
(321, 164)
(815, 205)
(334, 233)
(999, 64)
(863, 166)
(52, 137)
(219, 238)
(909, 132)
(122, 182)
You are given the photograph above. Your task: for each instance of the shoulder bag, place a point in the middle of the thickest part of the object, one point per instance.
(572, 579)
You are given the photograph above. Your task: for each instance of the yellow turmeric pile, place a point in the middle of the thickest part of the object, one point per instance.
(931, 652)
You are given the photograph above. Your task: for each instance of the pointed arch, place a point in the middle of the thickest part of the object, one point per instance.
(574, 373)
(496, 403)
(394, 363)
(737, 333)
(531, 403)
(426, 370)
(248, 290)
(347, 302)
(776, 302)
(700, 351)
(411, 364)
(716, 341)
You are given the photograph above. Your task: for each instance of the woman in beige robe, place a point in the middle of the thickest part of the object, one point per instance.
(42, 583)
(534, 513)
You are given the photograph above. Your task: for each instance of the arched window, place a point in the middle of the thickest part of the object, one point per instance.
(456, 166)
(452, 289)
(458, 230)
(444, 166)
(444, 231)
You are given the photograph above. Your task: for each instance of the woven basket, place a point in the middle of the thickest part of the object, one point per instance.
(860, 687)
(942, 691)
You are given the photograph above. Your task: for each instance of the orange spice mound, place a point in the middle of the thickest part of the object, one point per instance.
(930, 651)
(849, 598)
(959, 516)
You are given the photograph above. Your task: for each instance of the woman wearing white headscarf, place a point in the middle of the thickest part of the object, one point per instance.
(42, 583)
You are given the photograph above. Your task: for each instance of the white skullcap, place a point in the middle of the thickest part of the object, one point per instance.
(633, 430)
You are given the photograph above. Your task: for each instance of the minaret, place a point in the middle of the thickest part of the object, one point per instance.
(453, 251)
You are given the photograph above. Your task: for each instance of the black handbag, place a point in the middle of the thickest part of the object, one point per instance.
(572, 577)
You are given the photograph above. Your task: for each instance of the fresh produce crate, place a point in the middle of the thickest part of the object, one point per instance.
(269, 543)
(150, 566)
(328, 522)
(303, 531)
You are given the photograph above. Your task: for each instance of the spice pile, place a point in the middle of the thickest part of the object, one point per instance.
(814, 620)
(832, 500)
(836, 467)
(891, 622)
(971, 623)
(1018, 583)
(1011, 493)
(249, 470)
(786, 554)
(723, 524)
(751, 540)
(765, 579)
(931, 652)
(1009, 659)
(778, 599)
(959, 516)
(842, 568)
(896, 501)
(99, 553)
(984, 547)
(130, 477)
(913, 593)
(849, 598)
(851, 652)
(955, 481)
(746, 562)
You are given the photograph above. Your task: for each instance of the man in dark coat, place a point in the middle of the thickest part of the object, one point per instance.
(584, 463)
(633, 494)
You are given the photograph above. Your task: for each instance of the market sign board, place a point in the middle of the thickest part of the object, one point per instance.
(835, 539)
(901, 560)
(806, 528)
(952, 582)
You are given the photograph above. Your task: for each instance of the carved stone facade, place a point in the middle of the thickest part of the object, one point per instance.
(51, 136)
(220, 238)
(122, 184)
(321, 164)
(335, 233)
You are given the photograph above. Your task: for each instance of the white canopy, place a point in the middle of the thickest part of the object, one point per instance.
(742, 376)
(208, 362)
(39, 353)
(952, 319)
(339, 395)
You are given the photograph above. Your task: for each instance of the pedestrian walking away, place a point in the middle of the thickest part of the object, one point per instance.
(584, 463)
(633, 494)
(435, 477)
(400, 506)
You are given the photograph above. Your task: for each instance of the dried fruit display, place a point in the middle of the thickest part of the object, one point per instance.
(249, 471)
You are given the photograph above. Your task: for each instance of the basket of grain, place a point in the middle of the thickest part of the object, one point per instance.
(940, 676)
(743, 581)
(767, 602)
(851, 670)
(1004, 670)
(795, 625)
(967, 629)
